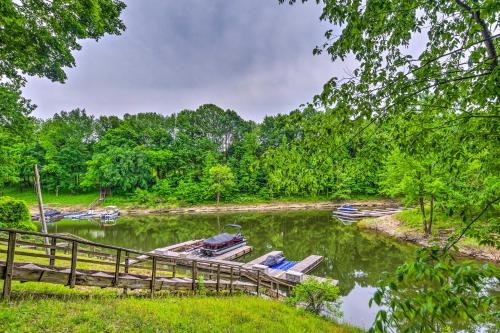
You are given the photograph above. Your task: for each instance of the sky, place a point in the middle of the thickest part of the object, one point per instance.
(254, 57)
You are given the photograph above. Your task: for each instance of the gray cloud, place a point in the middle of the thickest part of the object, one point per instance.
(254, 57)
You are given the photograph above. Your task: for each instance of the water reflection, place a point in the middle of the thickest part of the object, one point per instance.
(357, 259)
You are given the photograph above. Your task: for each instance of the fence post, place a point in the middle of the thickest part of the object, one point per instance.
(117, 267)
(193, 276)
(9, 266)
(218, 278)
(258, 283)
(127, 254)
(174, 267)
(53, 244)
(153, 277)
(231, 282)
(277, 290)
(74, 255)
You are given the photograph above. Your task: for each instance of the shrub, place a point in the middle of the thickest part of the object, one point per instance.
(316, 296)
(15, 214)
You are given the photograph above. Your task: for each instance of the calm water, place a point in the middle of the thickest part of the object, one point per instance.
(356, 258)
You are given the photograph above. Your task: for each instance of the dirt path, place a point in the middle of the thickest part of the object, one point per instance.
(393, 227)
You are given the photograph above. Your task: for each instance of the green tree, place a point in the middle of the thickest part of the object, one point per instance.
(221, 180)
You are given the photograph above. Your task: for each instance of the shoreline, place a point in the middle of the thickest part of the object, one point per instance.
(390, 226)
(261, 207)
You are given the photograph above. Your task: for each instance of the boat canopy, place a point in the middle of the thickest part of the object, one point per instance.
(219, 239)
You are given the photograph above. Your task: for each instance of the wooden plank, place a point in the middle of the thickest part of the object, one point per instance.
(9, 265)
(307, 264)
(236, 253)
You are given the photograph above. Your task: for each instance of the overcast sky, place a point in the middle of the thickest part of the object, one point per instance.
(252, 56)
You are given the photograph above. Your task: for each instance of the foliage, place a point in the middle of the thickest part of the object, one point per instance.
(316, 297)
(15, 214)
(435, 292)
(221, 179)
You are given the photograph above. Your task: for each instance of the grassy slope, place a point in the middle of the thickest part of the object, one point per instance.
(39, 307)
(83, 200)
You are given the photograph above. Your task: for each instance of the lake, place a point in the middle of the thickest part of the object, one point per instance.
(356, 258)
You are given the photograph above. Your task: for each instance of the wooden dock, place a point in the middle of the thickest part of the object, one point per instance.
(308, 264)
(171, 250)
(235, 254)
(86, 263)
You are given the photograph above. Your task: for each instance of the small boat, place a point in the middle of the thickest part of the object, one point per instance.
(274, 260)
(51, 215)
(110, 213)
(278, 261)
(347, 208)
(223, 242)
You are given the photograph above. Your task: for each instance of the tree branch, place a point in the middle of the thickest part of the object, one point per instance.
(485, 31)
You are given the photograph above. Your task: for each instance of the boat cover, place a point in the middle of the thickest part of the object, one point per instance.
(219, 239)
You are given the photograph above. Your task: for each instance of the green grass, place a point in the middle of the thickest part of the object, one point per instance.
(84, 199)
(412, 218)
(51, 199)
(40, 307)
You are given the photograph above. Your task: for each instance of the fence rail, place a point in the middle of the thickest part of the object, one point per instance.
(74, 261)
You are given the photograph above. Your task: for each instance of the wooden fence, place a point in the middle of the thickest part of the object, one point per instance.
(74, 261)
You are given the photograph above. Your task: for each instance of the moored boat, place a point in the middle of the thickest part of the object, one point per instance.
(51, 215)
(223, 242)
(110, 213)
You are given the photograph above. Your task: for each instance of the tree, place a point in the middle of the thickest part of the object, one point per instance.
(317, 296)
(67, 140)
(221, 180)
(38, 36)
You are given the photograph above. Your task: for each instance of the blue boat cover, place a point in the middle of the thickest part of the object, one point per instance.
(284, 265)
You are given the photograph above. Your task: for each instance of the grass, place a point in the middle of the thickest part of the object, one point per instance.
(50, 198)
(412, 218)
(40, 307)
(82, 200)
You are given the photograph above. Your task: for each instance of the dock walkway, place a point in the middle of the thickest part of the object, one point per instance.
(117, 267)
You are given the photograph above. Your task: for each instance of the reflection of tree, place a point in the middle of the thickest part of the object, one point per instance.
(350, 255)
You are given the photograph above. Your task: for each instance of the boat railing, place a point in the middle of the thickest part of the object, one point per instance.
(112, 266)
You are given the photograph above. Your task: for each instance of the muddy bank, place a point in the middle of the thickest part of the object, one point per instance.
(275, 206)
(393, 227)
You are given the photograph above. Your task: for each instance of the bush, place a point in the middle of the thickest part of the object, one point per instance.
(15, 214)
(316, 296)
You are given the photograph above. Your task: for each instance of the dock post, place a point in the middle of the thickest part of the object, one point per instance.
(258, 283)
(193, 276)
(53, 244)
(117, 267)
(72, 274)
(9, 266)
(153, 278)
(231, 281)
(127, 254)
(218, 278)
